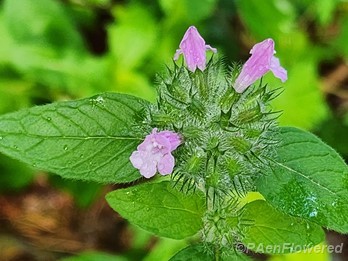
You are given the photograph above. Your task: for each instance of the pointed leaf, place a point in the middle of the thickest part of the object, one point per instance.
(160, 209)
(308, 179)
(204, 253)
(274, 232)
(89, 139)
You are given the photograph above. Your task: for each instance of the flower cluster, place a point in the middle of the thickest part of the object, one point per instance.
(199, 104)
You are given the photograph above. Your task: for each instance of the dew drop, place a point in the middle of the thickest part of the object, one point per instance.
(147, 209)
(82, 156)
(65, 147)
(15, 147)
(99, 99)
(49, 118)
(1, 138)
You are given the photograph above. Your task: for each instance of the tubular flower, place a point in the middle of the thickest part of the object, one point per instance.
(261, 61)
(154, 153)
(193, 48)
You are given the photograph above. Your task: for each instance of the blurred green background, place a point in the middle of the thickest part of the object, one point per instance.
(53, 50)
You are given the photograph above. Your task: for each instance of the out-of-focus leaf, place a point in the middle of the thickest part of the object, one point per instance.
(84, 193)
(43, 22)
(164, 249)
(340, 42)
(135, 83)
(14, 95)
(94, 256)
(190, 11)
(29, 45)
(325, 10)
(270, 18)
(14, 175)
(301, 102)
(133, 36)
(334, 131)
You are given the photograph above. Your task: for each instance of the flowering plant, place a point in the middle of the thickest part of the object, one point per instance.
(214, 140)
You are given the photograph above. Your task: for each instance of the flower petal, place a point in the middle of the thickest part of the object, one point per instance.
(260, 62)
(278, 70)
(177, 54)
(136, 159)
(166, 164)
(256, 66)
(148, 170)
(193, 47)
(173, 138)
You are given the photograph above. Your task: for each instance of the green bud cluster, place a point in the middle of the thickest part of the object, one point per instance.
(226, 135)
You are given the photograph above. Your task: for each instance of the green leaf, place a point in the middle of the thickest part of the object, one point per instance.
(84, 193)
(308, 179)
(88, 139)
(191, 11)
(274, 232)
(333, 131)
(94, 256)
(160, 209)
(43, 22)
(132, 39)
(164, 249)
(14, 176)
(316, 253)
(205, 253)
(195, 252)
(302, 88)
(275, 18)
(325, 10)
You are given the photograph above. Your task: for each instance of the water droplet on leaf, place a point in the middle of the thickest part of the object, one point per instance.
(314, 213)
(65, 147)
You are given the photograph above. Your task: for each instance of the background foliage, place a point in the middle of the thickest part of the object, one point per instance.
(52, 50)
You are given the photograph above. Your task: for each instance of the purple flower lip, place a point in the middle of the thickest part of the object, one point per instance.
(261, 61)
(193, 47)
(154, 153)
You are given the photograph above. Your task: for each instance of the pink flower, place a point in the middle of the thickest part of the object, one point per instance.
(154, 153)
(261, 61)
(193, 48)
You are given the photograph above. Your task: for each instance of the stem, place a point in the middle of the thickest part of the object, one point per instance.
(217, 253)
